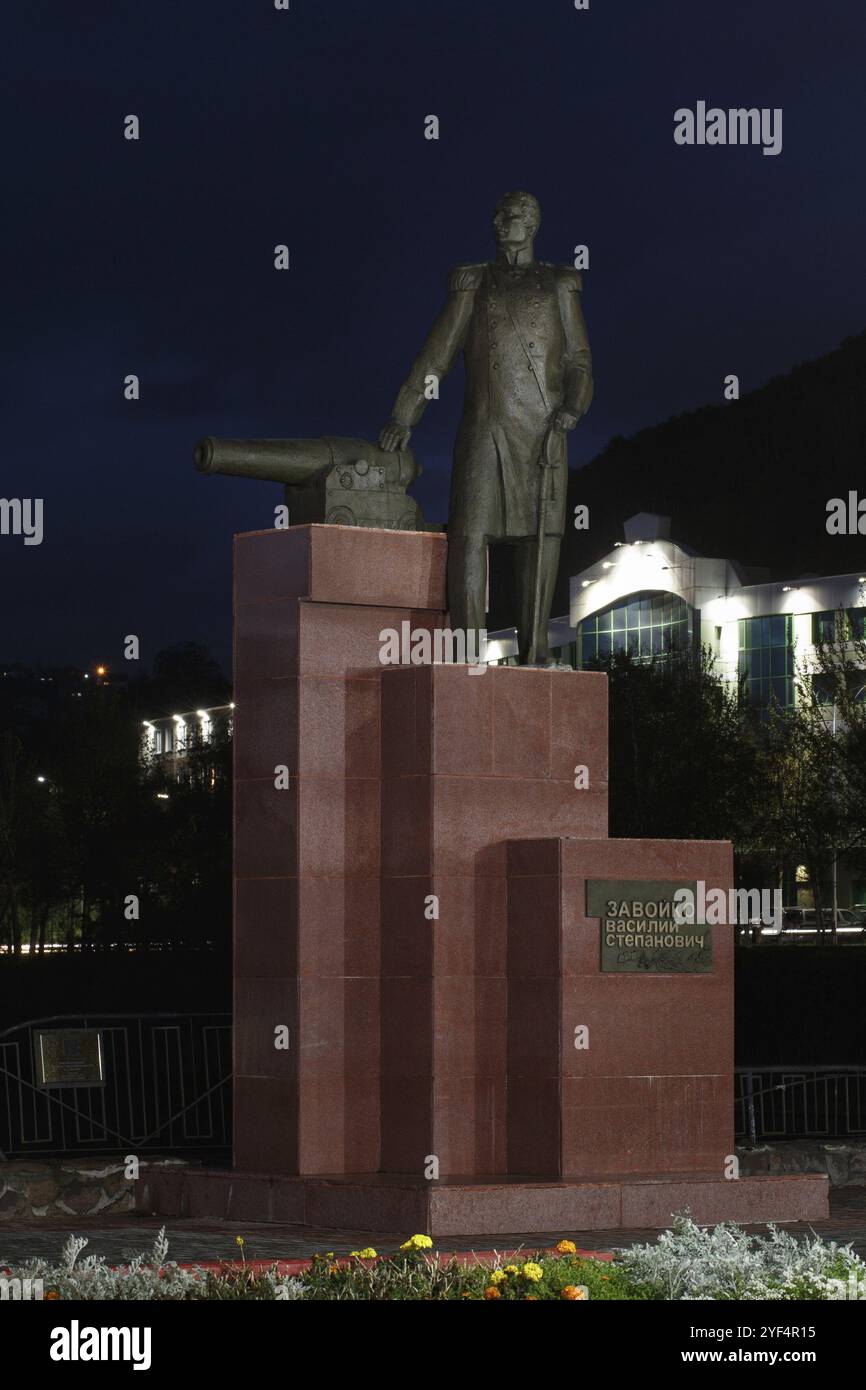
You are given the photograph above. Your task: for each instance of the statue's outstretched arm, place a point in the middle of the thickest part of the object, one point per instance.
(435, 359)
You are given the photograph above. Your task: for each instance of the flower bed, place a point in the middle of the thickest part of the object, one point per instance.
(686, 1262)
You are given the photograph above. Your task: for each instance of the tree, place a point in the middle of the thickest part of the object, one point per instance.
(682, 751)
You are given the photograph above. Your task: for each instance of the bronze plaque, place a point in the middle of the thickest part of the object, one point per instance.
(645, 926)
(69, 1057)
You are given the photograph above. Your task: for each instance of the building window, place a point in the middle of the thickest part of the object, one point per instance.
(158, 741)
(646, 625)
(766, 660)
(826, 686)
(850, 625)
(824, 627)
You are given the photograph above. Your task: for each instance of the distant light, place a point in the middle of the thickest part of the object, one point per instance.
(86, 676)
(100, 670)
(232, 705)
(607, 564)
(585, 583)
(147, 724)
(861, 579)
(41, 779)
(162, 796)
(202, 713)
(786, 588)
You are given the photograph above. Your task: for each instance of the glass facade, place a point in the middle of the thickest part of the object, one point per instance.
(649, 624)
(826, 688)
(826, 626)
(766, 660)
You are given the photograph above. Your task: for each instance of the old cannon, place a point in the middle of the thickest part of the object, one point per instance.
(340, 481)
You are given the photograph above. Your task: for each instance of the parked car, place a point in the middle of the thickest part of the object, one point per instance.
(801, 924)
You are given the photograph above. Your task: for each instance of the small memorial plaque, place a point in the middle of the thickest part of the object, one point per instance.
(648, 925)
(69, 1057)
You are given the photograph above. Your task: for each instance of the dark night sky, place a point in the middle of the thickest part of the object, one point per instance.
(306, 127)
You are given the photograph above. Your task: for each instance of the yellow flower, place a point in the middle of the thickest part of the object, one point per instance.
(498, 1276)
(511, 1269)
(572, 1292)
(368, 1253)
(417, 1243)
(239, 1240)
(566, 1247)
(492, 1292)
(532, 1271)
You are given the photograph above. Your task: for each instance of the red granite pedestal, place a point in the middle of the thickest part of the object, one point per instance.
(412, 846)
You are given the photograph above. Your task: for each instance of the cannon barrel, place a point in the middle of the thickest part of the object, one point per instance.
(335, 480)
(296, 462)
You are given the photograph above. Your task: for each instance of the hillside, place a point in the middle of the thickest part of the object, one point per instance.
(748, 479)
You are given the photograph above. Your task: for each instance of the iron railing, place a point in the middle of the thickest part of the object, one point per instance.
(799, 1102)
(166, 1088)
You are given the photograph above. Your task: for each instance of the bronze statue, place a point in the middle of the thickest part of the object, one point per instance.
(528, 381)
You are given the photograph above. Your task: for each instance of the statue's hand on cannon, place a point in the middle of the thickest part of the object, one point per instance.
(394, 437)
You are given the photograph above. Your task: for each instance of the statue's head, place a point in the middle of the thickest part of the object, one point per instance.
(516, 219)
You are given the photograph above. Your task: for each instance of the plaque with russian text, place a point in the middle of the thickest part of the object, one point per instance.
(647, 925)
(69, 1057)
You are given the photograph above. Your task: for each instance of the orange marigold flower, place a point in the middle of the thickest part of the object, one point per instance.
(492, 1292)
(571, 1292)
(566, 1247)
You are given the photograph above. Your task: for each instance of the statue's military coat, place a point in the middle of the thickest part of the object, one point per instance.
(508, 402)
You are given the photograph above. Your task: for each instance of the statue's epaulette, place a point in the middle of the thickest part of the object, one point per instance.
(569, 278)
(466, 277)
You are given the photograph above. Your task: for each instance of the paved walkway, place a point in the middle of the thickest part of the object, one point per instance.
(190, 1240)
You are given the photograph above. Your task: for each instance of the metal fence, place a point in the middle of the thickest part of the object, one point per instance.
(166, 1089)
(799, 1102)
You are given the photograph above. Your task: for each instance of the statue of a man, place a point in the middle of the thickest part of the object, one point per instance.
(528, 381)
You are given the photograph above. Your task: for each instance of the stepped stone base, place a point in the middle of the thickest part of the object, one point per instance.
(387, 1204)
